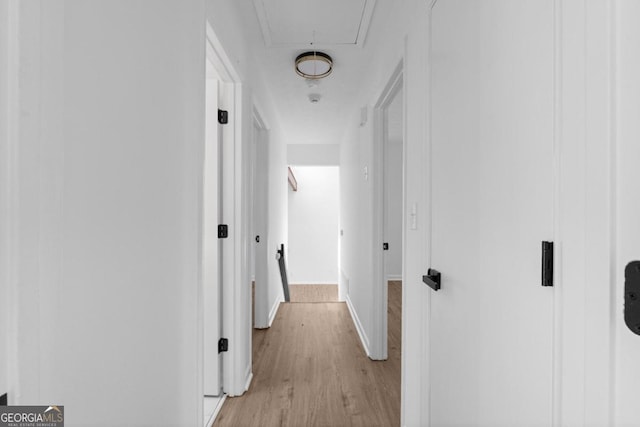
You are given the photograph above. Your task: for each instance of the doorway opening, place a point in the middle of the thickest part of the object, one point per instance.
(314, 209)
(388, 214)
(393, 248)
(259, 222)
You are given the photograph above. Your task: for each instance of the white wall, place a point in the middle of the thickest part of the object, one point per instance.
(109, 166)
(313, 154)
(313, 226)
(393, 189)
(356, 225)
(358, 172)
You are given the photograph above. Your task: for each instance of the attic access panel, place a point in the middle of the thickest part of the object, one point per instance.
(301, 22)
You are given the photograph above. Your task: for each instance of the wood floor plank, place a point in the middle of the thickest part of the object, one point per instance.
(313, 293)
(310, 370)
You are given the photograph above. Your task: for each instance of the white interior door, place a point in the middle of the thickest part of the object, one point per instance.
(627, 351)
(492, 206)
(393, 186)
(260, 222)
(211, 253)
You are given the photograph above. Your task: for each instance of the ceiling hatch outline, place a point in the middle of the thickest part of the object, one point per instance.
(298, 23)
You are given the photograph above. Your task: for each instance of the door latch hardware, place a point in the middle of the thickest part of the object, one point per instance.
(385, 246)
(632, 296)
(432, 279)
(223, 231)
(223, 117)
(257, 239)
(547, 263)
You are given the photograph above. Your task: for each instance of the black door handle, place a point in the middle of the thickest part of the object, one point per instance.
(547, 263)
(632, 296)
(257, 239)
(432, 279)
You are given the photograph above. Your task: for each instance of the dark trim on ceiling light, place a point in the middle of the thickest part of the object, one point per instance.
(314, 55)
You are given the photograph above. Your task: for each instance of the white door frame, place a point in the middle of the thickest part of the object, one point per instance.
(210, 243)
(233, 373)
(378, 344)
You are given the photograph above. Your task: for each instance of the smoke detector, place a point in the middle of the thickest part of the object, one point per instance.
(314, 98)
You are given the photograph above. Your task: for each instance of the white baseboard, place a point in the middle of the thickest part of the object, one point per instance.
(394, 277)
(216, 411)
(356, 321)
(274, 311)
(218, 407)
(249, 378)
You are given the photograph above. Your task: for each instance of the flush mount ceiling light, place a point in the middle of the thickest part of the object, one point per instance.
(314, 65)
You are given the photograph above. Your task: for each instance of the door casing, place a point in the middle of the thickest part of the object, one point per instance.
(378, 340)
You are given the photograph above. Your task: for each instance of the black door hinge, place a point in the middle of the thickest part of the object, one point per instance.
(223, 345)
(223, 231)
(547, 263)
(385, 246)
(223, 117)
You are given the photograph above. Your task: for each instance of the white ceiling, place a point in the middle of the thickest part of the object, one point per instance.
(279, 30)
(303, 22)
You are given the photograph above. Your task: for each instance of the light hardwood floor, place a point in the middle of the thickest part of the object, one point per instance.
(310, 370)
(313, 293)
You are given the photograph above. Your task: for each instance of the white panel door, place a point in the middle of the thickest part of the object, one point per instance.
(211, 271)
(628, 208)
(261, 225)
(492, 206)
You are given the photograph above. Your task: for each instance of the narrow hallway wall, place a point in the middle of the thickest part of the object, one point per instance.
(355, 227)
(393, 176)
(106, 286)
(313, 154)
(358, 171)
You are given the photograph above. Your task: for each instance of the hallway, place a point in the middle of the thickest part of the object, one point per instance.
(310, 370)
(145, 149)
